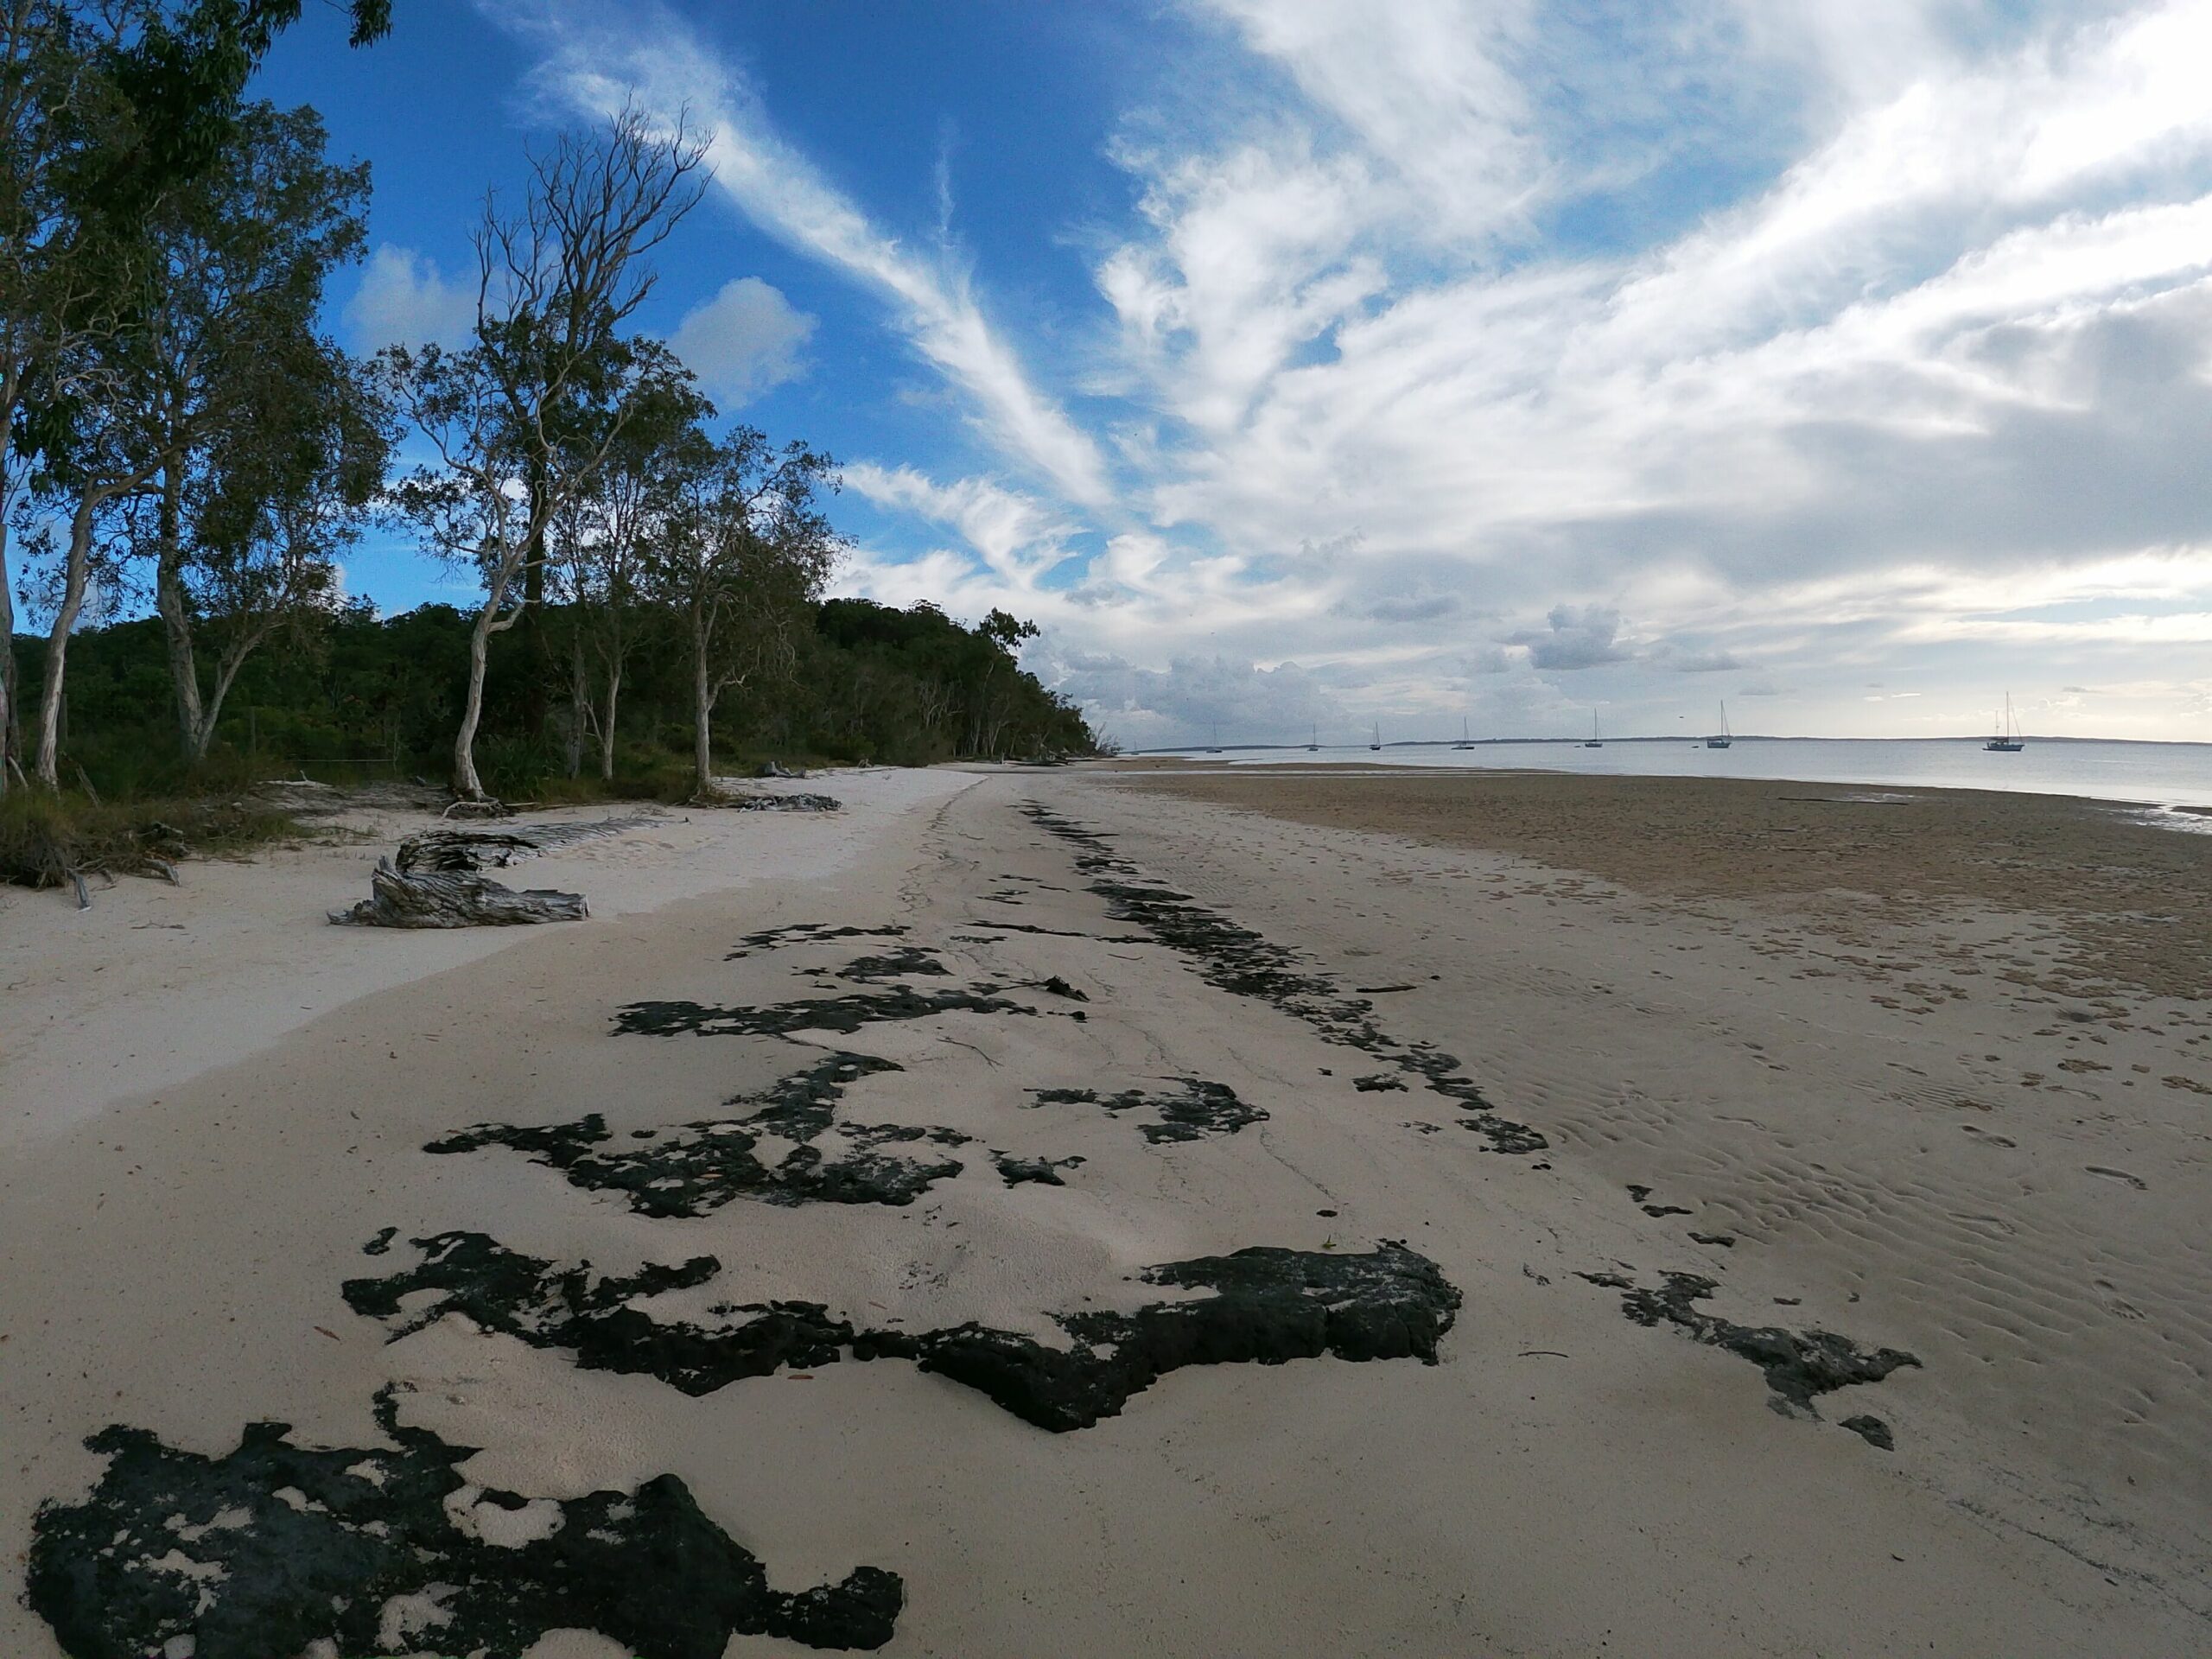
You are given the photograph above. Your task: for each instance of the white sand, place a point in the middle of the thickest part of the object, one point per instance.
(201, 1144)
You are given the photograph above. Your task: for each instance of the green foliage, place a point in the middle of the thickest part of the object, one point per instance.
(46, 838)
(377, 698)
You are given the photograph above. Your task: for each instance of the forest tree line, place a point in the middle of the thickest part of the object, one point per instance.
(372, 697)
(179, 434)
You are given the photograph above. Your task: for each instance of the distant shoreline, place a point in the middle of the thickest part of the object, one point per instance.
(1692, 740)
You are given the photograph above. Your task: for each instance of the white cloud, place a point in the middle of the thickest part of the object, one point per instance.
(1013, 535)
(403, 300)
(1933, 392)
(744, 341)
(597, 57)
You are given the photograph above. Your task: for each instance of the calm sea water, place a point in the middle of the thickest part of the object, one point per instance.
(2167, 774)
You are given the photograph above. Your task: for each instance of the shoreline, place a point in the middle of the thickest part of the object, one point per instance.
(2188, 787)
(1081, 1029)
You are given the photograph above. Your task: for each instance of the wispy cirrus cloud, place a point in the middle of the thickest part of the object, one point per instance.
(597, 57)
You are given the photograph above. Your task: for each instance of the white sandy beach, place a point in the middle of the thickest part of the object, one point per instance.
(214, 1101)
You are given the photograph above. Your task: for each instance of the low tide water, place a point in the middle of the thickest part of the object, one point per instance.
(2156, 774)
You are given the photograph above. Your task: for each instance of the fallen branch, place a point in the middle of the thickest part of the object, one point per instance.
(798, 801)
(475, 849)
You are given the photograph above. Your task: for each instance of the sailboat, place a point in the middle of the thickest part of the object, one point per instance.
(1216, 749)
(1378, 743)
(2008, 740)
(1725, 739)
(1315, 745)
(1466, 739)
(1593, 741)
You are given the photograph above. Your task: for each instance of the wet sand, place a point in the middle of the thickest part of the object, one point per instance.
(918, 1185)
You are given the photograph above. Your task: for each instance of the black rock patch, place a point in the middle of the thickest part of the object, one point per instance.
(1232, 957)
(548, 1305)
(997, 926)
(905, 961)
(1797, 1365)
(844, 1014)
(1268, 1306)
(1194, 1109)
(274, 1546)
(771, 938)
(1045, 1172)
(695, 1168)
(1873, 1430)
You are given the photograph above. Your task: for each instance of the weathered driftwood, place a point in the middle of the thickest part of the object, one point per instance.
(454, 899)
(484, 808)
(477, 849)
(798, 801)
(458, 851)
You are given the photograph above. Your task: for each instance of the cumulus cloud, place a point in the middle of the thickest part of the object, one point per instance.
(403, 300)
(744, 341)
(1582, 636)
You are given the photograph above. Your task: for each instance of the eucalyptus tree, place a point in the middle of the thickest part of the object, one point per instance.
(744, 550)
(55, 111)
(232, 374)
(597, 548)
(106, 107)
(280, 499)
(523, 419)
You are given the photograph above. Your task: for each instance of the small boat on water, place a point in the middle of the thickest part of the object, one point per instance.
(1315, 746)
(1216, 749)
(1378, 743)
(2008, 740)
(1593, 741)
(1466, 739)
(1726, 737)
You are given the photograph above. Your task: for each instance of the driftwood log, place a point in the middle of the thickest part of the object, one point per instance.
(477, 849)
(454, 899)
(798, 801)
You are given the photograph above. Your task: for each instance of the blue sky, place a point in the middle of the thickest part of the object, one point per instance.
(1318, 361)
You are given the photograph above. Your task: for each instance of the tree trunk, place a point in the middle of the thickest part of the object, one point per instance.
(702, 709)
(203, 734)
(579, 705)
(466, 782)
(531, 623)
(175, 608)
(74, 575)
(607, 720)
(11, 725)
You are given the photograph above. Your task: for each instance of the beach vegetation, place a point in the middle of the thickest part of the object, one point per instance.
(185, 459)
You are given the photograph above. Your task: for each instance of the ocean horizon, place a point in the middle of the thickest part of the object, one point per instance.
(2154, 773)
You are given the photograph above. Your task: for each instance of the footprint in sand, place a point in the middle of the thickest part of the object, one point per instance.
(2109, 1298)
(2135, 1181)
